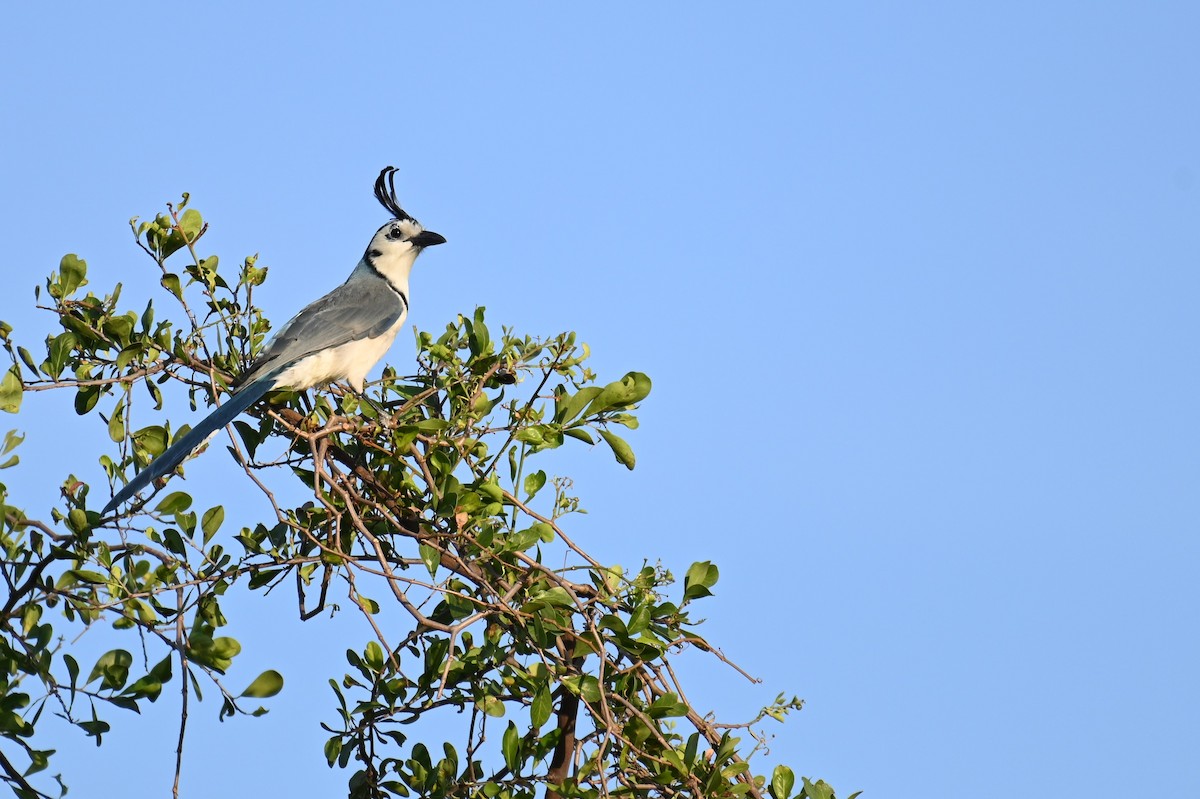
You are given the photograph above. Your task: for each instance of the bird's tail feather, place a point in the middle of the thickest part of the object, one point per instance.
(177, 452)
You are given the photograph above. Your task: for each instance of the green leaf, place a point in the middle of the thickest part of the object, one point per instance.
(85, 399)
(116, 423)
(535, 435)
(629, 390)
(420, 755)
(119, 328)
(152, 439)
(10, 390)
(72, 271)
(667, 705)
(39, 759)
(94, 728)
(675, 759)
(147, 687)
(580, 433)
(374, 655)
(510, 746)
(89, 577)
(451, 761)
(174, 502)
(553, 597)
(621, 450)
(534, 483)
(491, 706)
(571, 406)
(816, 790)
(638, 620)
(211, 521)
(585, 686)
(217, 653)
(191, 223)
(155, 394)
(208, 270)
(693, 745)
(126, 356)
(491, 489)
(58, 354)
(148, 317)
(478, 338)
(162, 669)
(27, 358)
(113, 668)
(431, 558)
(267, 684)
(262, 577)
(539, 711)
(31, 616)
(12, 440)
(72, 671)
(614, 623)
(170, 282)
(168, 241)
(333, 747)
(700, 577)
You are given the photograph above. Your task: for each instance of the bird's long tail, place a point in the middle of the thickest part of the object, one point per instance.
(177, 452)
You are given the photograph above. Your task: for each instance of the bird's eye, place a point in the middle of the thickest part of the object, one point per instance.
(395, 233)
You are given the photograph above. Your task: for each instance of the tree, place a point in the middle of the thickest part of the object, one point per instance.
(425, 508)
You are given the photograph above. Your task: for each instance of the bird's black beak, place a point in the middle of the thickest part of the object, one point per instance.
(427, 238)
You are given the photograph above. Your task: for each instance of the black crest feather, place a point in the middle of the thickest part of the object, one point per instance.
(385, 192)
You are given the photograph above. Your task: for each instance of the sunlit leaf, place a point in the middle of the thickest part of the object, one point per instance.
(510, 746)
(267, 684)
(173, 503)
(72, 273)
(10, 390)
(700, 577)
(534, 483)
(539, 710)
(620, 449)
(211, 521)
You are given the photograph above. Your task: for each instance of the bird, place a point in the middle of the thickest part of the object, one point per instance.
(341, 336)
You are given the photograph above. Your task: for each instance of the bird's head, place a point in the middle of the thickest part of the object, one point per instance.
(402, 238)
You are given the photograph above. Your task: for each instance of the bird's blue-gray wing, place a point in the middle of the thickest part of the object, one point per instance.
(365, 306)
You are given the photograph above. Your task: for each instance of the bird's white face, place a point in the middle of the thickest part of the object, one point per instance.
(396, 245)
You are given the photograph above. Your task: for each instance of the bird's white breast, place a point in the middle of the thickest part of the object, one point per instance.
(350, 361)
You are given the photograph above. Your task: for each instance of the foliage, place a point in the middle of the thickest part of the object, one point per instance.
(425, 504)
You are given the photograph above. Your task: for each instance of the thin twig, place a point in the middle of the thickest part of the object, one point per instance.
(184, 675)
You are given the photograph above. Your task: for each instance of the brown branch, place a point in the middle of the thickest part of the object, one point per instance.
(103, 381)
(567, 719)
(181, 642)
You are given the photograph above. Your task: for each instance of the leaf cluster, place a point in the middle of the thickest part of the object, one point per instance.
(428, 506)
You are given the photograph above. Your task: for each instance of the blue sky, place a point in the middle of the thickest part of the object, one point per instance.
(916, 285)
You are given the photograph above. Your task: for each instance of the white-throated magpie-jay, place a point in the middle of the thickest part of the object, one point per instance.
(339, 337)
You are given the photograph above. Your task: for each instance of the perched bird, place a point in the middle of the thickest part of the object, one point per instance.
(339, 337)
